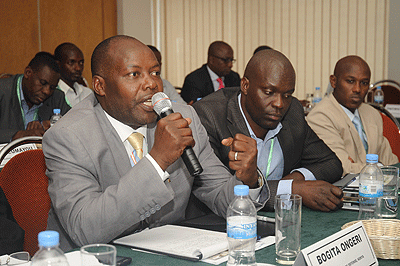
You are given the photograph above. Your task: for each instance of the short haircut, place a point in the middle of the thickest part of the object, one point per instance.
(154, 49)
(260, 48)
(43, 59)
(59, 51)
(100, 56)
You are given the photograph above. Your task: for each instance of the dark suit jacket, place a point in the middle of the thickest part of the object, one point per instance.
(10, 109)
(301, 147)
(198, 84)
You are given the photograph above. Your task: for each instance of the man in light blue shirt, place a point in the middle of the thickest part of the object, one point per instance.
(263, 115)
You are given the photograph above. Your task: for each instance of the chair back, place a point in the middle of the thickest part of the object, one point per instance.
(390, 88)
(391, 128)
(392, 133)
(24, 183)
(10, 147)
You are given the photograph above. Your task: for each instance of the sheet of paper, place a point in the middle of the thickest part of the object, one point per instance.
(178, 241)
(223, 256)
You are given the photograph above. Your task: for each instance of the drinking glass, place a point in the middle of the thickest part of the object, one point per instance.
(287, 227)
(95, 253)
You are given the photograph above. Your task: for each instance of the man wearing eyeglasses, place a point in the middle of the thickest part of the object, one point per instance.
(214, 75)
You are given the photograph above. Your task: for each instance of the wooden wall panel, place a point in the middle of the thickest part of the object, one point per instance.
(313, 34)
(30, 26)
(19, 40)
(83, 23)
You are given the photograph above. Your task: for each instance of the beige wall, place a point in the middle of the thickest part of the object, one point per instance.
(314, 34)
(135, 19)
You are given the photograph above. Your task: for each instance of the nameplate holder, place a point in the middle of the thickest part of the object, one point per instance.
(348, 247)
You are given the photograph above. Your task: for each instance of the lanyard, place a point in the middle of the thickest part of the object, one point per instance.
(269, 158)
(35, 117)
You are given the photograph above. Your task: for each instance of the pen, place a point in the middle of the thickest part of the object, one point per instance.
(265, 219)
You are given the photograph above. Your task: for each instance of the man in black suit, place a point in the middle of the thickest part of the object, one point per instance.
(262, 114)
(214, 75)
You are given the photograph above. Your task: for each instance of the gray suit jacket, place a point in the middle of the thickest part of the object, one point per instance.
(10, 109)
(96, 194)
(221, 116)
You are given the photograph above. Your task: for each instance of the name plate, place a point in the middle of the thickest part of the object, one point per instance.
(348, 247)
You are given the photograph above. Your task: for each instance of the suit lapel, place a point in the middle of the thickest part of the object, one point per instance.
(371, 129)
(352, 129)
(236, 123)
(120, 157)
(208, 85)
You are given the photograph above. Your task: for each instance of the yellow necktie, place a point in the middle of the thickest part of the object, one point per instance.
(136, 140)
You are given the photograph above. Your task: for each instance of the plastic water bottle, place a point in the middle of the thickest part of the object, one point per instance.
(49, 253)
(241, 228)
(56, 116)
(317, 96)
(379, 96)
(370, 187)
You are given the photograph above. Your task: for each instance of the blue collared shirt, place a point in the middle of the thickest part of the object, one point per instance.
(29, 114)
(277, 161)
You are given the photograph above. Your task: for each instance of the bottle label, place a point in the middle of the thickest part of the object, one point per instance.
(378, 98)
(239, 230)
(371, 191)
(317, 99)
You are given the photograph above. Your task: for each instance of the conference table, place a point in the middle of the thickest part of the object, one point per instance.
(315, 226)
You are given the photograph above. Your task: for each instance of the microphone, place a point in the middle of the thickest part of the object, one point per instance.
(162, 106)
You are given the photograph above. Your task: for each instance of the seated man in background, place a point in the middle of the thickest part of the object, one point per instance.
(264, 115)
(167, 86)
(348, 126)
(101, 184)
(71, 62)
(27, 101)
(214, 75)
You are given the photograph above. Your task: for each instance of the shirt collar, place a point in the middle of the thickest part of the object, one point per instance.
(349, 113)
(270, 134)
(124, 131)
(213, 76)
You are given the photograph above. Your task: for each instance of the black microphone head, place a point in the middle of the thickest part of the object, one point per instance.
(161, 103)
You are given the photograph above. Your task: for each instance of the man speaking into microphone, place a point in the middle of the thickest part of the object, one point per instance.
(114, 169)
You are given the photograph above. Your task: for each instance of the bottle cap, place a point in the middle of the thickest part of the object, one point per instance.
(317, 88)
(48, 238)
(372, 158)
(241, 190)
(56, 111)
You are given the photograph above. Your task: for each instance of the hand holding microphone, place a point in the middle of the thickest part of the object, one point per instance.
(177, 134)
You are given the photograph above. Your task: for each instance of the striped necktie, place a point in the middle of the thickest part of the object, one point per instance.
(357, 123)
(221, 83)
(136, 140)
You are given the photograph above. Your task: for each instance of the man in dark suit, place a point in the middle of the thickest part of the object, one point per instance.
(266, 117)
(27, 101)
(214, 75)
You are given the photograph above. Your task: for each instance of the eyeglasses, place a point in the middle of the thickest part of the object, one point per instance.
(16, 258)
(226, 60)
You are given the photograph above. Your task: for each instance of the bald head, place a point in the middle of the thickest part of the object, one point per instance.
(266, 90)
(64, 48)
(345, 65)
(350, 81)
(101, 57)
(269, 62)
(220, 58)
